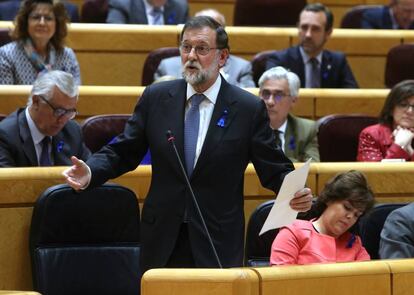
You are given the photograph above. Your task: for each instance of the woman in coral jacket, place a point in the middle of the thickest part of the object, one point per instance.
(393, 137)
(329, 237)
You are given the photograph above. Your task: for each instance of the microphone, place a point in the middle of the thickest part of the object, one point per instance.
(171, 139)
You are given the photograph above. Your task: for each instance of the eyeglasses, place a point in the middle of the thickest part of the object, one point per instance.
(60, 112)
(199, 49)
(277, 95)
(405, 106)
(38, 17)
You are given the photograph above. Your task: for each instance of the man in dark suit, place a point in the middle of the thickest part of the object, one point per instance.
(398, 15)
(315, 66)
(43, 134)
(218, 129)
(150, 12)
(9, 9)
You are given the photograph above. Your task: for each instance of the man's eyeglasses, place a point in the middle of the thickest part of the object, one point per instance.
(277, 95)
(405, 106)
(199, 49)
(38, 17)
(60, 112)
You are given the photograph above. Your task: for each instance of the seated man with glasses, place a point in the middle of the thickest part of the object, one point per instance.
(279, 89)
(393, 137)
(43, 134)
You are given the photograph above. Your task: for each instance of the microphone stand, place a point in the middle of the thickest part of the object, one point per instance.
(171, 139)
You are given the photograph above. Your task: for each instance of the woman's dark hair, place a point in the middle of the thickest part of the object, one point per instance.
(21, 21)
(351, 186)
(202, 21)
(399, 93)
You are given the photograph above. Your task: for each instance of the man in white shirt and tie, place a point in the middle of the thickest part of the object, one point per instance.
(150, 12)
(43, 133)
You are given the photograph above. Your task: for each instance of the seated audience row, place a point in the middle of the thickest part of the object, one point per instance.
(315, 66)
(39, 34)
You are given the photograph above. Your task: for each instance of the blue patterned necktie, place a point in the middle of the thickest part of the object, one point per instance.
(191, 126)
(156, 14)
(44, 155)
(315, 73)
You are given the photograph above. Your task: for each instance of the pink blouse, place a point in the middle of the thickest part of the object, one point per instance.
(300, 243)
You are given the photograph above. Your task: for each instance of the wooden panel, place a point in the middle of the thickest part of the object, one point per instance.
(402, 276)
(241, 281)
(15, 270)
(368, 70)
(358, 278)
(250, 40)
(109, 69)
(346, 101)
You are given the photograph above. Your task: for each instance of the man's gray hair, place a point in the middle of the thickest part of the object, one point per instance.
(46, 82)
(280, 73)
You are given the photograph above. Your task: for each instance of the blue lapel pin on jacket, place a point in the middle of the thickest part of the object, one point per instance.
(292, 143)
(59, 147)
(325, 73)
(171, 19)
(222, 121)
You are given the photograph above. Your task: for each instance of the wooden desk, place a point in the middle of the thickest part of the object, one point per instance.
(20, 187)
(312, 103)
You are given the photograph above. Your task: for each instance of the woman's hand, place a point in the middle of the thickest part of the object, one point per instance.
(403, 137)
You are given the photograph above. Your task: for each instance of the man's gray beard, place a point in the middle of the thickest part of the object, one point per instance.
(196, 78)
(201, 76)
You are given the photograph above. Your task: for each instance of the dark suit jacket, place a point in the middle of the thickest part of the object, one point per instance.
(17, 147)
(133, 12)
(378, 18)
(9, 9)
(217, 178)
(335, 71)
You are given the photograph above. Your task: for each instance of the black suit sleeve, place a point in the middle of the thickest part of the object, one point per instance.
(270, 162)
(126, 151)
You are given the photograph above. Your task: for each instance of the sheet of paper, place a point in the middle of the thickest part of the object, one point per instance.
(281, 214)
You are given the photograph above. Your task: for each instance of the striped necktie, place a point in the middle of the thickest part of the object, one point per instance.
(315, 73)
(191, 126)
(156, 14)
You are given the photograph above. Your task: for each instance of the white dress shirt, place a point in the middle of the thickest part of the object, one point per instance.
(206, 111)
(37, 136)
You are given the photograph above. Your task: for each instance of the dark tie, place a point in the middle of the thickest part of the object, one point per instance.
(315, 73)
(156, 14)
(44, 155)
(191, 126)
(277, 138)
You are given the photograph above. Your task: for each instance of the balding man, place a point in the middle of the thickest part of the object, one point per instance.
(236, 71)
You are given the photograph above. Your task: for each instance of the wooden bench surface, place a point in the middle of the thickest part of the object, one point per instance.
(313, 103)
(111, 54)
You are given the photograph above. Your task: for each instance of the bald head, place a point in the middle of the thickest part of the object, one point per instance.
(217, 16)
